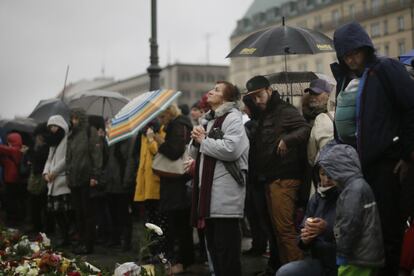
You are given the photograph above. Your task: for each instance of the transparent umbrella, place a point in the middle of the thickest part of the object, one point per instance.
(99, 102)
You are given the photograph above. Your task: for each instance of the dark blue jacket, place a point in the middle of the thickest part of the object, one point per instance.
(385, 105)
(323, 247)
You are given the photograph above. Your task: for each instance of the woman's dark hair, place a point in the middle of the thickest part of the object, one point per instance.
(97, 122)
(231, 93)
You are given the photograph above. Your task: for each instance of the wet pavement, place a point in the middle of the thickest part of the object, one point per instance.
(107, 258)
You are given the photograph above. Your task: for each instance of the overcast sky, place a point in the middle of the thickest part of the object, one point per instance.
(38, 39)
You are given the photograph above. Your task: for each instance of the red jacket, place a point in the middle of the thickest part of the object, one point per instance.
(10, 156)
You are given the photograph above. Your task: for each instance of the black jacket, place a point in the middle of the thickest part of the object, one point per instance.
(279, 121)
(120, 171)
(84, 156)
(173, 191)
(357, 224)
(37, 157)
(386, 102)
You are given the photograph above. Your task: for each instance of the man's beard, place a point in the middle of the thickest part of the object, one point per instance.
(313, 109)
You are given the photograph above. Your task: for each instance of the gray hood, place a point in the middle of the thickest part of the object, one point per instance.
(58, 120)
(341, 163)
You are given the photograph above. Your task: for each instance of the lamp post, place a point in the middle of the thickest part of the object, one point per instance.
(154, 69)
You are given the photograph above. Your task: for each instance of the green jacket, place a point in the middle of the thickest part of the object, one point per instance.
(84, 156)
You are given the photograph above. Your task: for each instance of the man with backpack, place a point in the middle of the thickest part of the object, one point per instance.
(375, 114)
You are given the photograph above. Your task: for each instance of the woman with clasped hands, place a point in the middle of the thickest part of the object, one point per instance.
(221, 151)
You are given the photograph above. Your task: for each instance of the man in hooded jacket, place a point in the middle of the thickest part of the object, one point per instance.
(375, 114)
(84, 165)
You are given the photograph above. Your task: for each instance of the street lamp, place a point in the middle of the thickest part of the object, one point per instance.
(154, 69)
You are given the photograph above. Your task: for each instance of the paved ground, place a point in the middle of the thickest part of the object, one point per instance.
(108, 258)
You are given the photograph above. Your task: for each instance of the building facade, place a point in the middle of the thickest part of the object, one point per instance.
(193, 80)
(83, 85)
(388, 22)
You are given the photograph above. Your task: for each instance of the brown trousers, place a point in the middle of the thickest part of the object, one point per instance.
(281, 199)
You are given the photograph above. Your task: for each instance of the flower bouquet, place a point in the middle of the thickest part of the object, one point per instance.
(20, 256)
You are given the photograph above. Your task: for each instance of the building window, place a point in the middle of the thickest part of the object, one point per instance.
(375, 6)
(199, 77)
(385, 27)
(375, 29)
(352, 11)
(318, 23)
(319, 66)
(262, 17)
(335, 17)
(364, 7)
(400, 22)
(401, 47)
(210, 78)
(221, 77)
(310, 3)
(386, 49)
(185, 76)
(303, 24)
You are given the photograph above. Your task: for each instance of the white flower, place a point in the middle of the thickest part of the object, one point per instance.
(162, 258)
(34, 247)
(129, 268)
(91, 267)
(33, 272)
(23, 242)
(45, 240)
(22, 269)
(154, 228)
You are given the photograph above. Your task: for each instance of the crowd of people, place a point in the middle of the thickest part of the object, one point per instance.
(326, 188)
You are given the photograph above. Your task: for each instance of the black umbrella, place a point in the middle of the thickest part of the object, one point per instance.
(297, 81)
(50, 107)
(282, 40)
(26, 125)
(298, 77)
